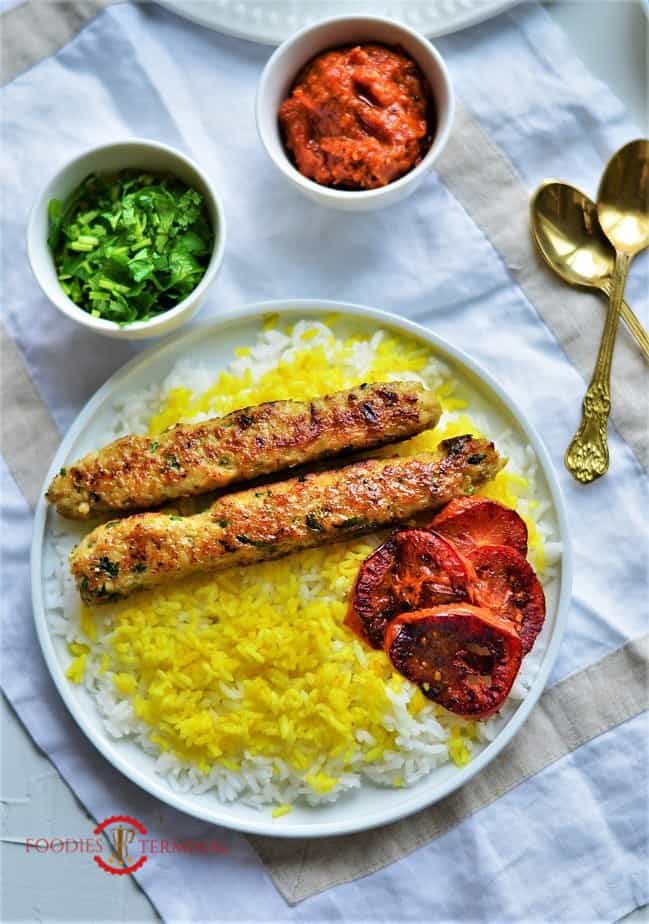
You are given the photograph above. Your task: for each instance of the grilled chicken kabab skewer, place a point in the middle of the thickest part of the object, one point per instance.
(148, 549)
(140, 472)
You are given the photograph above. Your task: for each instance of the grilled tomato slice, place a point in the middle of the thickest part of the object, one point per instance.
(505, 582)
(474, 521)
(463, 657)
(414, 569)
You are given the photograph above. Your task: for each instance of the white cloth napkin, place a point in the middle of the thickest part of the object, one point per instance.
(567, 845)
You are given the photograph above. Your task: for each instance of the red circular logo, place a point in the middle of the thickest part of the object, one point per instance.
(122, 831)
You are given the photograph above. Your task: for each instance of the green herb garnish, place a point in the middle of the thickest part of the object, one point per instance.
(314, 523)
(109, 567)
(130, 246)
(351, 523)
(171, 461)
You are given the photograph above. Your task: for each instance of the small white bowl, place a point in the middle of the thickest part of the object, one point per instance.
(282, 69)
(137, 154)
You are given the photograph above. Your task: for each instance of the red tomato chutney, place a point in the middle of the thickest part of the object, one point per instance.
(358, 117)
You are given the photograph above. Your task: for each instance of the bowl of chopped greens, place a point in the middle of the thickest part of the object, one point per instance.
(127, 239)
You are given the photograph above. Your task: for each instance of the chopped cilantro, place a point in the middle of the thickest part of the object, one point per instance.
(130, 246)
(171, 461)
(154, 445)
(352, 522)
(314, 523)
(109, 567)
(62, 472)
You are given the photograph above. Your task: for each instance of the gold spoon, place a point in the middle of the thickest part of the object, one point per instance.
(623, 213)
(566, 230)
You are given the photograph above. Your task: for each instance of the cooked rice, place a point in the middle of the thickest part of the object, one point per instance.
(246, 682)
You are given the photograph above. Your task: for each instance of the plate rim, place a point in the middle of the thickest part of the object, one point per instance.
(420, 798)
(453, 23)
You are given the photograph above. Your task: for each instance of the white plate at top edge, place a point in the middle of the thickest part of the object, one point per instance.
(370, 806)
(272, 21)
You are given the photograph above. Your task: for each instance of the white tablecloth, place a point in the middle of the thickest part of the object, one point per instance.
(569, 844)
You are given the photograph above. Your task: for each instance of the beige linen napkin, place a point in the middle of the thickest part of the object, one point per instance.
(35, 30)
(570, 714)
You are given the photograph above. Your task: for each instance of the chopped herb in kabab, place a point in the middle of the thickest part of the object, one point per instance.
(130, 246)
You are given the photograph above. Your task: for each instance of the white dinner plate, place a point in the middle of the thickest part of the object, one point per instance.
(271, 21)
(215, 342)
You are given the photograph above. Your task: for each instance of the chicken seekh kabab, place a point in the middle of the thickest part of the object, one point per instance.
(261, 523)
(141, 472)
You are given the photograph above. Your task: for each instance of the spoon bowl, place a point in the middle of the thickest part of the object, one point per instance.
(623, 199)
(567, 231)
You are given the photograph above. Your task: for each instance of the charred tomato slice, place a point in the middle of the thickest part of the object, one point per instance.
(505, 582)
(463, 657)
(474, 521)
(414, 569)
(372, 603)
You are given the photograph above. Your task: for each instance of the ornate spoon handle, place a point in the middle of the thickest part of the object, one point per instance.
(630, 318)
(587, 456)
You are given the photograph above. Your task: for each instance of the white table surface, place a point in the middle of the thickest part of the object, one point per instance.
(612, 37)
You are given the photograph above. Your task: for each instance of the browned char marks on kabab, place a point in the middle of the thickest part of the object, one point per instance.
(148, 549)
(140, 472)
